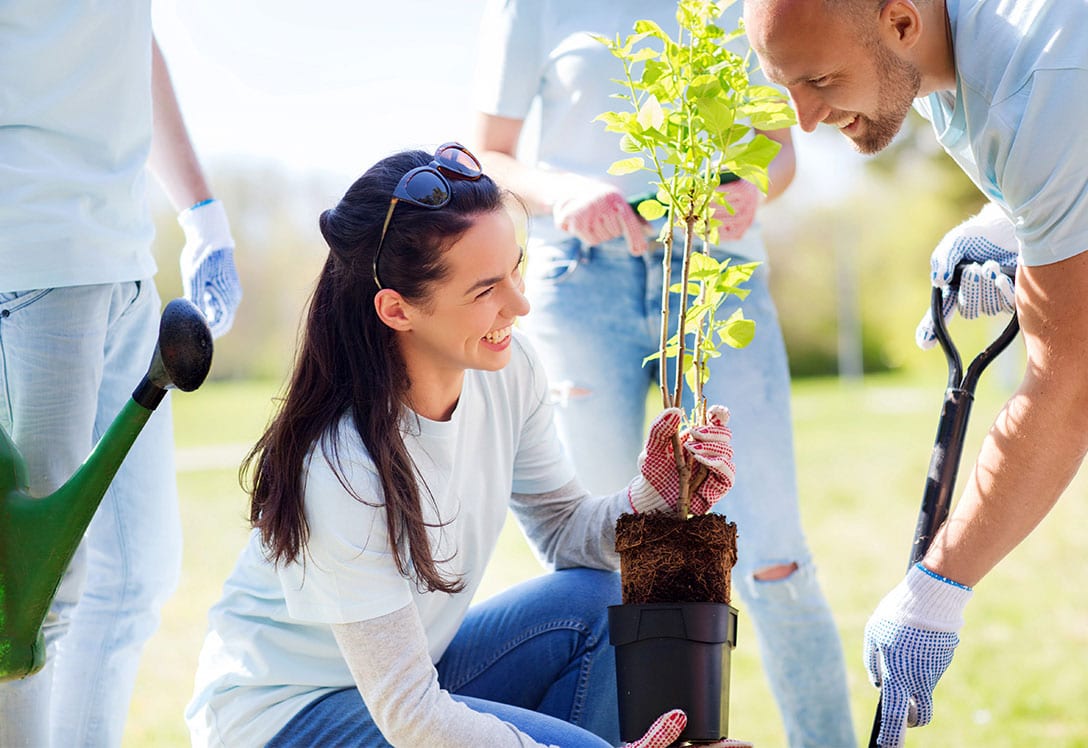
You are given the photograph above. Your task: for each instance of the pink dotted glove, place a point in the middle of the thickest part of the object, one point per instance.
(667, 728)
(989, 243)
(706, 447)
(663, 732)
(596, 212)
(744, 198)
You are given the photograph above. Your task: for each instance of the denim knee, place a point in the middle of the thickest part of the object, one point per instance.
(796, 592)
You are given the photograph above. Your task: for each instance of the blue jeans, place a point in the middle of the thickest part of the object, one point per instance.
(69, 360)
(536, 656)
(596, 314)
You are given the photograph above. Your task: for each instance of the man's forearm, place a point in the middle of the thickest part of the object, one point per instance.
(1038, 441)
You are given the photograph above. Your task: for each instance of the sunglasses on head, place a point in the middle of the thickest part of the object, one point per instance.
(428, 186)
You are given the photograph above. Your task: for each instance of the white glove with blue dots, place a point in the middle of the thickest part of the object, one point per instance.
(909, 641)
(987, 241)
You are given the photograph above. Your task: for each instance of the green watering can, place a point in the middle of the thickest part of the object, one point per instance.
(39, 536)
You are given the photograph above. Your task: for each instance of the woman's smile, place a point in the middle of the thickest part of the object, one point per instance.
(498, 340)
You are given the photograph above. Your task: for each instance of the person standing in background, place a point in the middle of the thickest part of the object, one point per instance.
(87, 105)
(594, 279)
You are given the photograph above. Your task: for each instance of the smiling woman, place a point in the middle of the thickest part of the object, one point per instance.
(414, 420)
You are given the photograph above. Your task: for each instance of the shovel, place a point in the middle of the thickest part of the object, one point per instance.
(951, 429)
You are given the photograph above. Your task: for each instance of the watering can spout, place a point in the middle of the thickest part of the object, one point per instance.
(39, 535)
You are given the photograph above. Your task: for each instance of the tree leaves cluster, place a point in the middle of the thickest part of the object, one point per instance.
(690, 116)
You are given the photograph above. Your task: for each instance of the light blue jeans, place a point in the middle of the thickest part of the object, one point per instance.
(536, 656)
(596, 314)
(69, 360)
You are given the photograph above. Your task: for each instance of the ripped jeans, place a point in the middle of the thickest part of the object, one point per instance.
(595, 316)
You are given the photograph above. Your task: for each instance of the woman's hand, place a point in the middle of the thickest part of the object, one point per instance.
(706, 448)
(667, 728)
(663, 732)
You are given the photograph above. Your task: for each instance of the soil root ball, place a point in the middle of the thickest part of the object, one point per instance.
(665, 559)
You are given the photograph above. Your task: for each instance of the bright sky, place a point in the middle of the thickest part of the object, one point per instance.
(334, 85)
(326, 84)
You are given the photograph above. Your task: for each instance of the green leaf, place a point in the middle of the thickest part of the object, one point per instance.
(704, 268)
(651, 209)
(648, 28)
(741, 273)
(630, 42)
(630, 144)
(646, 53)
(737, 332)
(704, 86)
(653, 71)
(689, 362)
(689, 378)
(697, 313)
(693, 288)
(626, 166)
(650, 114)
(716, 114)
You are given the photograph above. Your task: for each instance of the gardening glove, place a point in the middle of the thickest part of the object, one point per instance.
(207, 264)
(988, 241)
(596, 212)
(658, 484)
(909, 642)
(744, 198)
(663, 732)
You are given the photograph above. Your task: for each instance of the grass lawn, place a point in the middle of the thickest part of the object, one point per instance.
(1019, 674)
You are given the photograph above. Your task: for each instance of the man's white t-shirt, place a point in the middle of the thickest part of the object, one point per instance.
(1015, 123)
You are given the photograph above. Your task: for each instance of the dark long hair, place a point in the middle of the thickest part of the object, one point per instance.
(349, 362)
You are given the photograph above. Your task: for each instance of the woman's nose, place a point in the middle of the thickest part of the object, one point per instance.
(517, 303)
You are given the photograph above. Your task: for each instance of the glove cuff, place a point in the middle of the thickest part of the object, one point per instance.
(643, 497)
(929, 601)
(206, 224)
(993, 218)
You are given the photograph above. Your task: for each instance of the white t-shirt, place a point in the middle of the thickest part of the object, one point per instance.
(270, 650)
(542, 52)
(1015, 121)
(75, 133)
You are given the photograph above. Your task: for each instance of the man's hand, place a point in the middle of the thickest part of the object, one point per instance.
(987, 241)
(909, 641)
(707, 448)
(208, 275)
(596, 212)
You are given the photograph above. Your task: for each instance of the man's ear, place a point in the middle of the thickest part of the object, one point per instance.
(393, 310)
(901, 22)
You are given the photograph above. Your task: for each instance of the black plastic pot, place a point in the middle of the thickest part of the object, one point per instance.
(673, 656)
